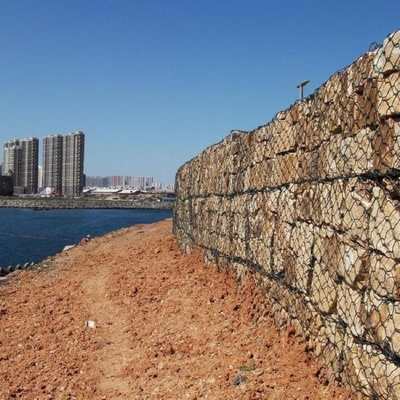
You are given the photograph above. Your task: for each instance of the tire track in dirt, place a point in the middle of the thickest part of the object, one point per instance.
(114, 352)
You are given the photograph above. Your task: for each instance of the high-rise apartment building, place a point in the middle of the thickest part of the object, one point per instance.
(29, 164)
(52, 162)
(115, 181)
(72, 179)
(149, 181)
(21, 157)
(40, 177)
(141, 182)
(96, 181)
(63, 163)
(12, 154)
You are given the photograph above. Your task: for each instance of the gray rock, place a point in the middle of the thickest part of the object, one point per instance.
(239, 379)
(71, 246)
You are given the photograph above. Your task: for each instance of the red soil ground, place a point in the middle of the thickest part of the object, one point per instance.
(162, 325)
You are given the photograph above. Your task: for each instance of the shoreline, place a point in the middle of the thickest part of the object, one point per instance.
(74, 204)
(5, 271)
(28, 263)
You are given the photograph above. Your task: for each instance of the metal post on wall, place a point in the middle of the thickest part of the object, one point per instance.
(301, 86)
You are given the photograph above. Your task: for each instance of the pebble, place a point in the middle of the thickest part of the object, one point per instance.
(239, 379)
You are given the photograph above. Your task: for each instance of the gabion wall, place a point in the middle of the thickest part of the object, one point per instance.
(310, 203)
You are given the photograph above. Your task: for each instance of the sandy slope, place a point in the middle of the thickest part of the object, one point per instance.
(166, 327)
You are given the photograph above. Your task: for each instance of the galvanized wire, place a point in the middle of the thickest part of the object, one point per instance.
(311, 204)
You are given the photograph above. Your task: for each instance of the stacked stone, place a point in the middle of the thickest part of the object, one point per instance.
(310, 202)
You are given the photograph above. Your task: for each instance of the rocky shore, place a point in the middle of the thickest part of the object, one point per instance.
(56, 203)
(13, 268)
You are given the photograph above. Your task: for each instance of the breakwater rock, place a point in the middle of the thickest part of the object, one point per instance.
(13, 268)
(55, 203)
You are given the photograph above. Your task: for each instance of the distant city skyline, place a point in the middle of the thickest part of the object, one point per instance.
(47, 163)
(127, 181)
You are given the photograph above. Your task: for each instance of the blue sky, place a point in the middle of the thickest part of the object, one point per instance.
(152, 83)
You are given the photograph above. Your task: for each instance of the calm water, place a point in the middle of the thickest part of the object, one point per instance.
(29, 235)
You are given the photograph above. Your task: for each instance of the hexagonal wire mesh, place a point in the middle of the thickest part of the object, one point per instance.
(310, 203)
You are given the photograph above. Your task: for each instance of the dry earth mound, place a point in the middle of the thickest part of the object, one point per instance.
(128, 316)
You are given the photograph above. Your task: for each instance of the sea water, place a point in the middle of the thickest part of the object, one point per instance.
(31, 236)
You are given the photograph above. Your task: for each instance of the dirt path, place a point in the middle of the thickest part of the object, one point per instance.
(165, 327)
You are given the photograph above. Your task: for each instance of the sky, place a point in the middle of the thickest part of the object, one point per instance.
(152, 83)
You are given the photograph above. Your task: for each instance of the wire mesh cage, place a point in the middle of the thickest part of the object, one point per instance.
(311, 203)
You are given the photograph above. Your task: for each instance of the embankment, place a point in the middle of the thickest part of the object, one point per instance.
(127, 316)
(55, 203)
